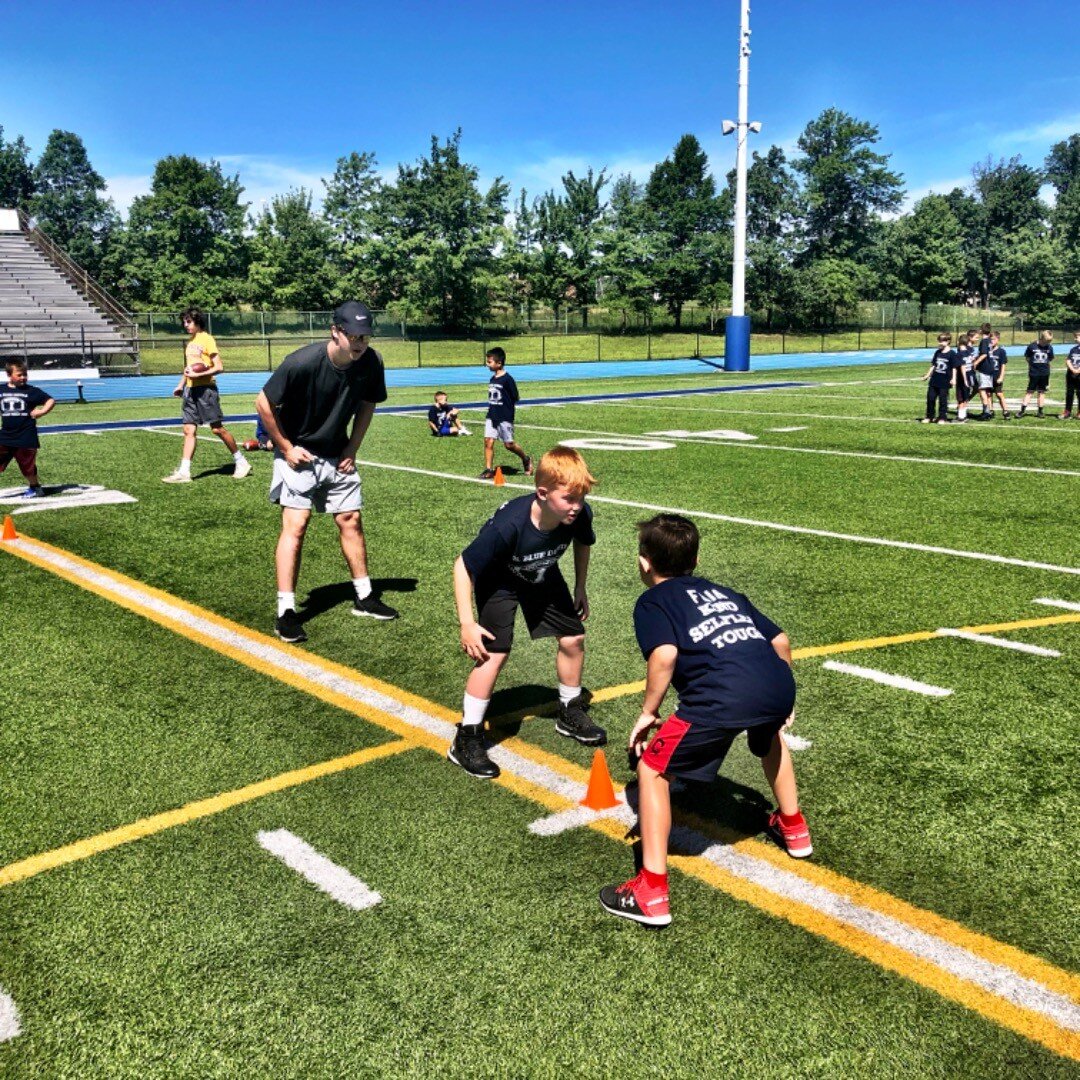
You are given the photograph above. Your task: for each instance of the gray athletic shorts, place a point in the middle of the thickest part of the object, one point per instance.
(316, 485)
(504, 432)
(986, 382)
(202, 405)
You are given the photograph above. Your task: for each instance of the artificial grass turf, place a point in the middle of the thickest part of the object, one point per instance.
(977, 782)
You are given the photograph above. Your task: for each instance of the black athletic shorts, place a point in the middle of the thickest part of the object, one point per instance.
(1038, 384)
(548, 609)
(696, 751)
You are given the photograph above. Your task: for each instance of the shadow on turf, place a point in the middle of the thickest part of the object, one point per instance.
(509, 708)
(325, 597)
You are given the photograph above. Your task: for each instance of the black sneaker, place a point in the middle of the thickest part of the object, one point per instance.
(1039, 415)
(1005, 415)
(288, 627)
(488, 474)
(373, 608)
(634, 900)
(468, 751)
(574, 723)
(1023, 409)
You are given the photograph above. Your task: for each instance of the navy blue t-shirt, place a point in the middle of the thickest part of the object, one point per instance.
(727, 673)
(965, 356)
(18, 428)
(943, 361)
(502, 397)
(1074, 356)
(994, 362)
(1038, 358)
(510, 550)
(440, 416)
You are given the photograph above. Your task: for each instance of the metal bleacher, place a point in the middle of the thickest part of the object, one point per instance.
(52, 313)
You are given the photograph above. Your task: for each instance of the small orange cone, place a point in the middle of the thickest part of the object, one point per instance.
(499, 478)
(9, 529)
(600, 794)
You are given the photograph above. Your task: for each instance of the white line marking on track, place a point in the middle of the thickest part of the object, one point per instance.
(332, 879)
(554, 824)
(801, 530)
(10, 1027)
(1001, 643)
(1068, 605)
(900, 682)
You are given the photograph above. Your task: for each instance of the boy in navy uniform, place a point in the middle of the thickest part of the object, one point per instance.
(731, 667)
(1072, 380)
(502, 397)
(21, 406)
(989, 368)
(965, 356)
(512, 563)
(444, 419)
(1038, 356)
(942, 364)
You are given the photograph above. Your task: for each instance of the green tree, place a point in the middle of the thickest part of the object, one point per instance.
(349, 209)
(290, 257)
(846, 183)
(1063, 165)
(583, 214)
(436, 235)
(928, 252)
(185, 242)
(16, 174)
(686, 217)
(628, 251)
(977, 259)
(549, 267)
(68, 202)
(826, 291)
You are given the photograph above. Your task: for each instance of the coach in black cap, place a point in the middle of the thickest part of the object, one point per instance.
(317, 407)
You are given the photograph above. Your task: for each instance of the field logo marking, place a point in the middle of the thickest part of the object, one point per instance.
(312, 866)
(900, 682)
(63, 497)
(719, 435)
(10, 1028)
(624, 442)
(1014, 989)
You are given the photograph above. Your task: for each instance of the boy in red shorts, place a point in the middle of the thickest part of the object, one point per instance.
(21, 406)
(731, 667)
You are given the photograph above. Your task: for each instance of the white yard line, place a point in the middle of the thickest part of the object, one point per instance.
(899, 682)
(1001, 643)
(801, 530)
(574, 818)
(796, 742)
(1068, 605)
(10, 1027)
(785, 430)
(332, 879)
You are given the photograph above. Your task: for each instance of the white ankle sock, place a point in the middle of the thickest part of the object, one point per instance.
(285, 602)
(362, 585)
(185, 467)
(568, 693)
(473, 711)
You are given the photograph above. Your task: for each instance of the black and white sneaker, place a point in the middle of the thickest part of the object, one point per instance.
(574, 723)
(635, 900)
(468, 751)
(373, 608)
(289, 628)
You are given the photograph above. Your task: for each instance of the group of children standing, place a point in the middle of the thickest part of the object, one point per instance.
(969, 368)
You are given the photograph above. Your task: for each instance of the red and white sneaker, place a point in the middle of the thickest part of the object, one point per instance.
(635, 900)
(793, 837)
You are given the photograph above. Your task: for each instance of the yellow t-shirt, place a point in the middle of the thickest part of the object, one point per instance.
(201, 349)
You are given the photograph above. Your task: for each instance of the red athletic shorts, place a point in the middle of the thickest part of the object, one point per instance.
(696, 751)
(25, 456)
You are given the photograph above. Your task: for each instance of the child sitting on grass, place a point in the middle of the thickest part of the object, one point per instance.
(731, 667)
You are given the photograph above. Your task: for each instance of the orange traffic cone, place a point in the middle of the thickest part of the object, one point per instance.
(600, 794)
(9, 529)
(499, 478)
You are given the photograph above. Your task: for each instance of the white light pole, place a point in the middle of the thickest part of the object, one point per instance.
(737, 326)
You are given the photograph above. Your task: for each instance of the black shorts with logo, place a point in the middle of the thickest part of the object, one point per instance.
(696, 751)
(548, 609)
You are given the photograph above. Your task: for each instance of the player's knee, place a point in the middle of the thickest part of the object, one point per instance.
(348, 522)
(572, 645)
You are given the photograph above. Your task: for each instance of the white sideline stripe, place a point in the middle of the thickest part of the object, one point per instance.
(1002, 643)
(784, 430)
(1068, 605)
(574, 818)
(900, 682)
(801, 530)
(10, 1027)
(796, 742)
(332, 879)
(961, 963)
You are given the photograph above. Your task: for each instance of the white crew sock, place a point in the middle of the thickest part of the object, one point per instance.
(362, 585)
(185, 466)
(473, 710)
(568, 693)
(285, 601)
(238, 456)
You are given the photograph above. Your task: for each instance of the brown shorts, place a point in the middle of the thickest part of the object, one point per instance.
(24, 456)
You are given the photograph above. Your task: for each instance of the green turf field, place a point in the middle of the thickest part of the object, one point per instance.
(152, 730)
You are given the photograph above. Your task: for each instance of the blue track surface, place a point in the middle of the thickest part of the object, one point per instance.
(251, 382)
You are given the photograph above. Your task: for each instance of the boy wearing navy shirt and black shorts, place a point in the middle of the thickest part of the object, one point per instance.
(503, 396)
(1038, 356)
(940, 373)
(1072, 380)
(21, 406)
(513, 563)
(731, 667)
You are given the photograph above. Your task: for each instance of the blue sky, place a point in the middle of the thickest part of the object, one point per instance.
(278, 91)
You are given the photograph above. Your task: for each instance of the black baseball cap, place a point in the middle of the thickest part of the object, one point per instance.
(354, 318)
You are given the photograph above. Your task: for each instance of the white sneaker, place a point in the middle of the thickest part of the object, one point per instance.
(243, 467)
(465, 430)
(177, 477)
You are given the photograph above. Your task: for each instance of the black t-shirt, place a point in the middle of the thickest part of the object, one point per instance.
(502, 396)
(316, 402)
(727, 673)
(510, 550)
(984, 346)
(440, 415)
(1038, 358)
(943, 361)
(1074, 356)
(18, 428)
(965, 357)
(994, 362)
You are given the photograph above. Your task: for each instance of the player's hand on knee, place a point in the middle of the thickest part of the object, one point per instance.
(472, 641)
(639, 735)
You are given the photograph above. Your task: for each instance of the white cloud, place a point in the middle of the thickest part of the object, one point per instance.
(935, 187)
(263, 178)
(1041, 135)
(123, 189)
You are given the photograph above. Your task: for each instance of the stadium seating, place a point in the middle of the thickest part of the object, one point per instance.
(52, 312)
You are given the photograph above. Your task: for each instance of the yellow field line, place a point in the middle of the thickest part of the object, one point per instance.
(890, 957)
